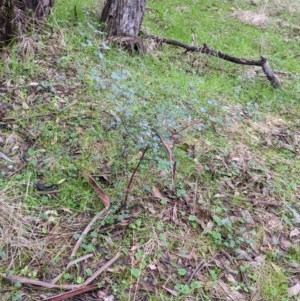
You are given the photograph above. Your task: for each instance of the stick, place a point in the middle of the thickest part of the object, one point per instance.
(200, 266)
(24, 280)
(134, 172)
(104, 267)
(87, 230)
(67, 287)
(263, 62)
(71, 263)
(171, 159)
(73, 293)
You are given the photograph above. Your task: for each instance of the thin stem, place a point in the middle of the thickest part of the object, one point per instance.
(129, 183)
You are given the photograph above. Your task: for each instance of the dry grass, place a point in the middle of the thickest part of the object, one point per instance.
(28, 46)
(32, 239)
(287, 5)
(253, 18)
(20, 234)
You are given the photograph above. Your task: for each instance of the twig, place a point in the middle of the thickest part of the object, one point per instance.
(200, 266)
(171, 159)
(67, 287)
(227, 256)
(263, 62)
(73, 293)
(264, 203)
(18, 170)
(195, 197)
(197, 269)
(188, 125)
(71, 263)
(3, 156)
(104, 267)
(129, 183)
(101, 214)
(24, 280)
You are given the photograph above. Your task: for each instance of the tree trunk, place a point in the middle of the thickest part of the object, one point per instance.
(6, 17)
(123, 18)
(40, 7)
(14, 13)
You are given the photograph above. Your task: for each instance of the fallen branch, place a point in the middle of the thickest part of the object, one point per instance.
(263, 62)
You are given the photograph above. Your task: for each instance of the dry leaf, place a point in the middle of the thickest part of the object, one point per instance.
(156, 193)
(294, 290)
(25, 105)
(292, 267)
(172, 292)
(33, 84)
(152, 267)
(243, 255)
(294, 232)
(285, 244)
(208, 227)
(230, 278)
(102, 195)
(233, 295)
(260, 258)
(101, 294)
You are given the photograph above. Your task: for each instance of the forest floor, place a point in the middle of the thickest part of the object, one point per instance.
(185, 166)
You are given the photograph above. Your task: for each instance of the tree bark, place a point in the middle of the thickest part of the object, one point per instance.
(123, 18)
(13, 15)
(6, 17)
(40, 7)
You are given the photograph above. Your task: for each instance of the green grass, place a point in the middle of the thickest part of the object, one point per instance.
(273, 283)
(92, 110)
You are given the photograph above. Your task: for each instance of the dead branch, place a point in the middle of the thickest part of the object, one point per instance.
(263, 62)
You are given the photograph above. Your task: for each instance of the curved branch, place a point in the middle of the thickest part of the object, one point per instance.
(263, 62)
